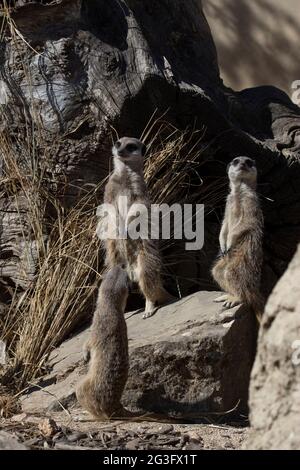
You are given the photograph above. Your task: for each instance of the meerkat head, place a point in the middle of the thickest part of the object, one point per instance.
(242, 170)
(129, 150)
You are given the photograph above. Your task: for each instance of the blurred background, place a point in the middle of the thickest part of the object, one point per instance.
(257, 41)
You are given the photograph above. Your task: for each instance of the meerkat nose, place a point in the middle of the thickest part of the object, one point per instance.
(121, 152)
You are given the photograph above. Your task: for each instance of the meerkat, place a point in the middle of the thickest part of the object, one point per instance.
(139, 257)
(238, 269)
(101, 390)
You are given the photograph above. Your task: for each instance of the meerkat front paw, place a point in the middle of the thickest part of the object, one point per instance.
(231, 302)
(221, 298)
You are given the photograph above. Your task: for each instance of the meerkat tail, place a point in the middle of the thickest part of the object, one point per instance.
(257, 303)
(164, 296)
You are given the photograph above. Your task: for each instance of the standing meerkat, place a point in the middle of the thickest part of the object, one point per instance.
(101, 390)
(126, 187)
(238, 270)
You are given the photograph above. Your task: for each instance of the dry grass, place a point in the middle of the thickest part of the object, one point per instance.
(174, 163)
(58, 268)
(174, 174)
(66, 256)
(62, 294)
(9, 406)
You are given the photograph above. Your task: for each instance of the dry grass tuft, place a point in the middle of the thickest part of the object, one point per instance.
(9, 406)
(66, 253)
(174, 171)
(62, 294)
(57, 269)
(173, 167)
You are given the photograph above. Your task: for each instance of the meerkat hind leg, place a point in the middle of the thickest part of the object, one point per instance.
(150, 309)
(148, 278)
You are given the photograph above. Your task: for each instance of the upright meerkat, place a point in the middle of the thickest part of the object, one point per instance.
(126, 187)
(101, 390)
(238, 270)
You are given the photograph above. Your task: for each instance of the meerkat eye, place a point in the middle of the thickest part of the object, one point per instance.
(250, 163)
(118, 144)
(131, 148)
(235, 162)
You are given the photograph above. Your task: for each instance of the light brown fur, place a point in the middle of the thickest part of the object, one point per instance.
(140, 257)
(101, 390)
(238, 270)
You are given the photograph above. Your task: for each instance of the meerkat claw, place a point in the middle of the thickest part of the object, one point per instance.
(150, 310)
(150, 313)
(221, 298)
(231, 303)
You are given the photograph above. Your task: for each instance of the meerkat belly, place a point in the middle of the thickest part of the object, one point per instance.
(128, 248)
(123, 204)
(132, 252)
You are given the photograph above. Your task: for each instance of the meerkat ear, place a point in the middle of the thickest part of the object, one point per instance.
(227, 168)
(144, 149)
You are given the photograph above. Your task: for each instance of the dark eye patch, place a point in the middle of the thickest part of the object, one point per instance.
(118, 144)
(250, 163)
(131, 147)
(236, 161)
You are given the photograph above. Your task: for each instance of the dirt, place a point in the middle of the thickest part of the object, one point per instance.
(74, 429)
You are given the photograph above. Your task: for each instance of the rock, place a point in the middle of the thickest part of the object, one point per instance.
(193, 445)
(187, 359)
(8, 442)
(275, 380)
(194, 440)
(132, 445)
(190, 359)
(63, 446)
(76, 436)
(19, 418)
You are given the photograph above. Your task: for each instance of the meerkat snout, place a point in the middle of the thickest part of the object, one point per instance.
(129, 147)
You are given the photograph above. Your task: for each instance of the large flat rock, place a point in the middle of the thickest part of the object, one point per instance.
(190, 357)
